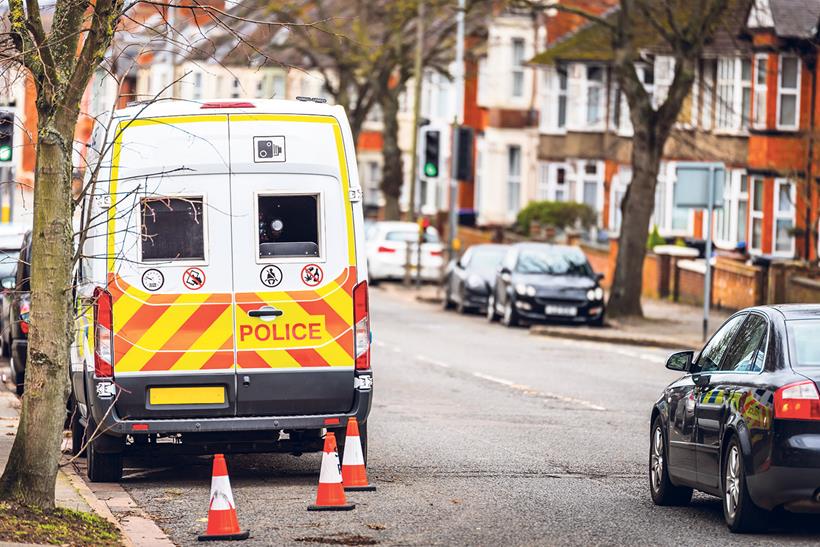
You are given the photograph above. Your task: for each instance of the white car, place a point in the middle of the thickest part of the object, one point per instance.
(387, 245)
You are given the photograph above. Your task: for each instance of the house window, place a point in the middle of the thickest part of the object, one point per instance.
(236, 88)
(730, 220)
(619, 184)
(783, 217)
(734, 93)
(513, 179)
(561, 184)
(517, 68)
(761, 61)
(562, 97)
(595, 95)
(197, 91)
(788, 101)
(554, 100)
(543, 190)
(590, 186)
(278, 91)
(742, 208)
(172, 229)
(756, 215)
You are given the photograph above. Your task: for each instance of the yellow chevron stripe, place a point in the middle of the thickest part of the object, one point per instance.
(334, 354)
(277, 358)
(213, 337)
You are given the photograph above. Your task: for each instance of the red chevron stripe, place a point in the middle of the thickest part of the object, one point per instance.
(308, 357)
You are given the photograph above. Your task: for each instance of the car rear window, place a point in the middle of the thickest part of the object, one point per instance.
(805, 342)
(288, 226)
(408, 236)
(172, 229)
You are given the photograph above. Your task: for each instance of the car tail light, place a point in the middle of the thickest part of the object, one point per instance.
(25, 309)
(103, 338)
(227, 104)
(384, 249)
(436, 253)
(799, 401)
(361, 328)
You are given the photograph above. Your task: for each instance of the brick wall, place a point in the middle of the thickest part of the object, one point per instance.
(599, 260)
(736, 285)
(690, 276)
(802, 289)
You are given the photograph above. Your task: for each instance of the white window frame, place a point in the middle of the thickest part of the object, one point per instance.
(543, 187)
(600, 124)
(320, 229)
(729, 236)
(514, 179)
(791, 91)
(730, 116)
(552, 95)
(205, 260)
(754, 214)
(581, 178)
(517, 67)
(760, 92)
(777, 215)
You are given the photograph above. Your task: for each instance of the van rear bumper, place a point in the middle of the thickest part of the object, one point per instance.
(114, 425)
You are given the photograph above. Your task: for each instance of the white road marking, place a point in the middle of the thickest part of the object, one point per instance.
(431, 361)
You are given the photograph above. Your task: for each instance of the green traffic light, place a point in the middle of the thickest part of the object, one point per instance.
(430, 170)
(5, 153)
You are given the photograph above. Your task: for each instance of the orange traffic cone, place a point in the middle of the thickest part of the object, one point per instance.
(354, 474)
(331, 495)
(222, 521)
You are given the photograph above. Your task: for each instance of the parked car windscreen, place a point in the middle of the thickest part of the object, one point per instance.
(555, 261)
(487, 259)
(805, 338)
(410, 236)
(8, 262)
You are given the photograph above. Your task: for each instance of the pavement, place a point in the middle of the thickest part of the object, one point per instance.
(479, 435)
(665, 324)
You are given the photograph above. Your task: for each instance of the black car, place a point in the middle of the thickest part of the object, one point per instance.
(469, 280)
(743, 423)
(540, 281)
(8, 273)
(18, 315)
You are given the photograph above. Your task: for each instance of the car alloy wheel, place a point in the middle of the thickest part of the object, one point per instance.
(656, 461)
(732, 485)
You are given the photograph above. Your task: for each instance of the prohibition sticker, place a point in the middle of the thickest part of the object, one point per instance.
(193, 278)
(312, 275)
(153, 280)
(270, 276)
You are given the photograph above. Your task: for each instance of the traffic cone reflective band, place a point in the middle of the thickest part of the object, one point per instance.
(331, 495)
(222, 521)
(354, 474)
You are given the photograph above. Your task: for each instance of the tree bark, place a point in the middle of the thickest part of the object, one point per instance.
(31, 471)
(637, 206)
(393, 168)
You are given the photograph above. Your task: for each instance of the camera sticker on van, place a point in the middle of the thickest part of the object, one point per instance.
(270, 276)
(193, 278)
(312, 275)
(268, 149)
(153, 280)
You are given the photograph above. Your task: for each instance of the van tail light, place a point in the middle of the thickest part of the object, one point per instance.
(25, 309)
(799, 401)
(103, 338)
(361, 328)
(384, 249)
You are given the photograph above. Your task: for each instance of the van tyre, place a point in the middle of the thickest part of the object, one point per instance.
(104, 454)
(741, 514)
(660, 486)
(77, 432)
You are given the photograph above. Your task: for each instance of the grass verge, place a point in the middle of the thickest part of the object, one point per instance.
(58, 527)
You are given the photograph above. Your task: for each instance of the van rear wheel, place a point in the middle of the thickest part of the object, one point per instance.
(103, 466)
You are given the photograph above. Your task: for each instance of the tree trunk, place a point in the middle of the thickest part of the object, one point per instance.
(636, 210)
(393, 169)
(31, 471)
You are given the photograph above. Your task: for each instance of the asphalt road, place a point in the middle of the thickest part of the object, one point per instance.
(480, 435)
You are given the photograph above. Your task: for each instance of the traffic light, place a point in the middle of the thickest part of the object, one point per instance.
(463, 165)
(6, 136)
(432, 147)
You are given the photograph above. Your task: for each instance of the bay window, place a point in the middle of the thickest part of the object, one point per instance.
(783, 217)
(788, 98)
(734, 93)
(595, 95)
(756, 215)
(517, 68)
(761, 61)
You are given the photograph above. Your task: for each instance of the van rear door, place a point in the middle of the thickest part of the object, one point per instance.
(169, 269)
(293, 266)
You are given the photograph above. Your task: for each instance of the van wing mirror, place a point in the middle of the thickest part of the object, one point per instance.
(680, 361)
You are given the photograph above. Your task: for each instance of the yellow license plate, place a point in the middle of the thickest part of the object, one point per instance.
(186, 395)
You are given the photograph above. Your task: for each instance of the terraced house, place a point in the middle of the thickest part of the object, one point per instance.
(753, 106)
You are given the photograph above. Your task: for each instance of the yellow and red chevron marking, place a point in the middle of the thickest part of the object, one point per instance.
(162, 332)
(330, 306)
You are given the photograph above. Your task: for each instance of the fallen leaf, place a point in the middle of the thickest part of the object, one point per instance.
(376, 526)
(455, 501)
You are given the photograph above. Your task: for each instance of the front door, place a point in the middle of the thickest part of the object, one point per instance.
(681, 401)
(293, 278)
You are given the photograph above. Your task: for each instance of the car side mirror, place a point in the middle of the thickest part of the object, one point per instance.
(680, 361)
(506, 274)
(459, 264)
(8, 283)
(599, 276)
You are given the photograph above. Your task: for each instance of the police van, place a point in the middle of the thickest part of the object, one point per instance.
(221, 297)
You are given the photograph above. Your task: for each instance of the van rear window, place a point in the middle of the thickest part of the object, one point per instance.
(172, 229)
(288, 226)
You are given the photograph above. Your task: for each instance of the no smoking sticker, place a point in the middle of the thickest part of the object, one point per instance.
(193, 278)
(312, 275)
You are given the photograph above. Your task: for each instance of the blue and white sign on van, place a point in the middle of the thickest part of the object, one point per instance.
(269, 149)
(692, 184)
